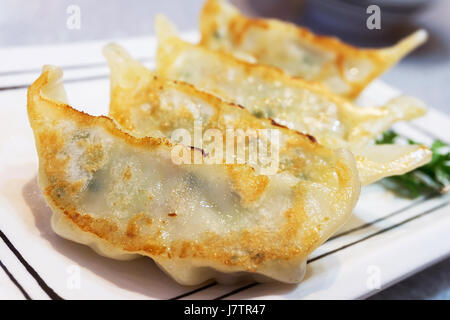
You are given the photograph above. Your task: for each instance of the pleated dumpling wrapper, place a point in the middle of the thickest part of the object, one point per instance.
(342, 68)
(146, 105)
(126, 196)
(295, 103)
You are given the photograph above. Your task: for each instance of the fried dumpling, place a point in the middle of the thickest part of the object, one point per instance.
(125, 196)
(300, 105)
(342, 68)
(145, 105)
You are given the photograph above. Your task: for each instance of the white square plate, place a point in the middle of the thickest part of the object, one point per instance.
(387, 239)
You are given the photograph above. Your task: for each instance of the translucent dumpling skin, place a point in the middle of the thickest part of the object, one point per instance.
(342, 68)
(297, 104)
(125, 197)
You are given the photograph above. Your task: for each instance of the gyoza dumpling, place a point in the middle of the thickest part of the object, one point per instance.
(125, 196)
(145, 105)
(300, 105)
(342, 68)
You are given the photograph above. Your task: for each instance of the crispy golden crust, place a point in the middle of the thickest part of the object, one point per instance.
(120, 110)
(217, 15)
(125, 99)
(356, 120)
(295, 103)
(152, 107)
(260, 246)
(251, 248)
(82, 119)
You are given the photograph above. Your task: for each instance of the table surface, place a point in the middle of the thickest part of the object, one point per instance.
(424, 74)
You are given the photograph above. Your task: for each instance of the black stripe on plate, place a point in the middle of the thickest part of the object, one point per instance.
(390, 215)
(19, 86)
(236, 291)
(194, 291)
(380, 231)
(363, 226)
(212, 284)
(25, 86)
(14, 280)
(49, 291)
(66, 67)
(349, 245)
(426, 132)
(368, 224)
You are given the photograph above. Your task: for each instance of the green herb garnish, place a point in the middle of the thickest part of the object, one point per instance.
(217, 34)
(434, 177)
(258, 114)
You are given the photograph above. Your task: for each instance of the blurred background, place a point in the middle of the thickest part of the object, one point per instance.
(425, 73)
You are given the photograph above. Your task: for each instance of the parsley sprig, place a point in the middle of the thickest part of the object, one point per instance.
(434, 177)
